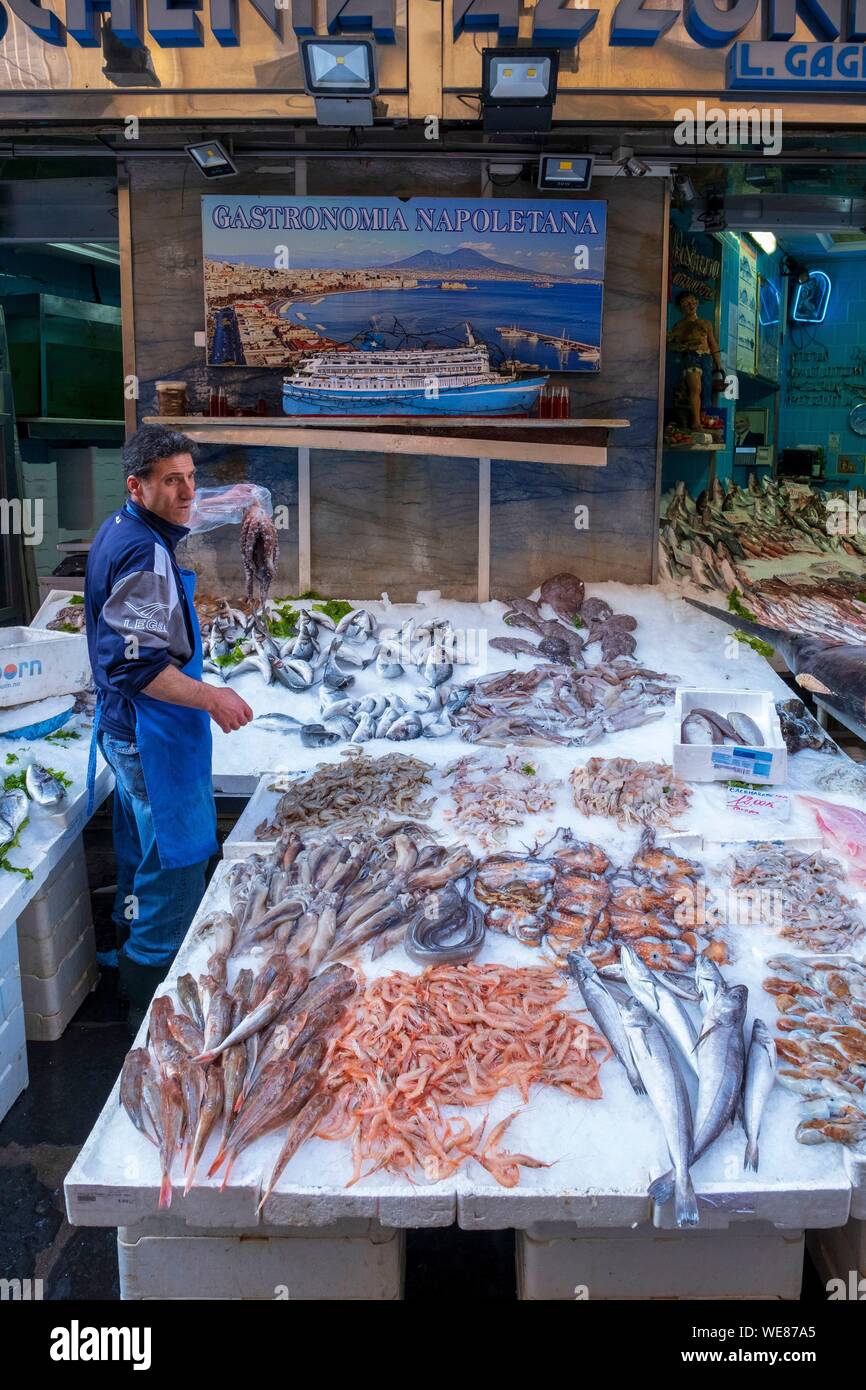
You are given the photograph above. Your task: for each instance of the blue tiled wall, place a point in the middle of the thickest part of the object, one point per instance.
(843, 329)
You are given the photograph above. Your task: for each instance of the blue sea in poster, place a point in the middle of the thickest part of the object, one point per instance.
(417, 317)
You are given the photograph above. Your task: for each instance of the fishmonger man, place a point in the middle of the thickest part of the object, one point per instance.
(153, 710)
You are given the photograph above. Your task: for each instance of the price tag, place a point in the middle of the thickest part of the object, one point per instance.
(758, 801)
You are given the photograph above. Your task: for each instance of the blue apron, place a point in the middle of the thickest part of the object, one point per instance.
(175, 747)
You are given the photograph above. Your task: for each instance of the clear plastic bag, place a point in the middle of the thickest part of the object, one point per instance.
(225, 506)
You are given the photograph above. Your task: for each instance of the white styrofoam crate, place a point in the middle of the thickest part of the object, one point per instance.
(10, 976)
(66, 882)
(241, 841)
(37, 663)
(13, 1079)
(699, 762)
(42, 954)
(839, 1254)
(262, 1264)
(754, 1262)
(50, 1003)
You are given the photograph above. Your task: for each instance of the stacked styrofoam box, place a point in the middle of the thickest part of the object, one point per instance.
(841, 1254)
(40, 481)
(752, 1261)
(57, 949)
(13, 1048)
(353, 1259)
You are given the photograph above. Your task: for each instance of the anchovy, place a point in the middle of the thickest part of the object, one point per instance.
(760, 1079)
(606, 1013)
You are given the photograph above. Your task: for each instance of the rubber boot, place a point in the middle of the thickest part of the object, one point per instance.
(139, 983)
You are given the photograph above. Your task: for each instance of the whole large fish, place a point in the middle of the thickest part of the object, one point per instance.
(300, 1128)
(44, 787)
(834, 670)
(667, 1090)
(13, 814)
(760, 1079)
(136, 1067)
(209, 1112)
(253, 1022)
(661, 1003)
(721, 1062)
(606, 1013)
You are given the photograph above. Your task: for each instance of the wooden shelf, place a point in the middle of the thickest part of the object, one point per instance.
(580, 443)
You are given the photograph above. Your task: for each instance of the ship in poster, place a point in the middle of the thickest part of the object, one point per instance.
(408, 381)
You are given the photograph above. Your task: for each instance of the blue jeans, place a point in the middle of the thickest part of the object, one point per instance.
(156, 905)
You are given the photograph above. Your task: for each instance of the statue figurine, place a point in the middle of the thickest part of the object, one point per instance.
(694, 342)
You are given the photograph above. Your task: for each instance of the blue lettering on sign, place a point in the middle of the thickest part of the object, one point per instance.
(811, 67)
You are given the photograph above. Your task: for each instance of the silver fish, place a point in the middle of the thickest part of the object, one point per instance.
(387, 721)
(437, 667)
(721, 1059)
(278, 723)
(746, 729)
(709, 979)
(661, 1004)
(293, 674)
(334, 702)
(13, 814)
(257, 663)
(335, 678)
(388, 665)
(760, 1079)
(317, 736)
(439, 728)
(358, 623)
(350, 655)
(43, 787)
(697, 729)
(407, 726)
(365, 730)
(341, 724)
(606, 1013)
(667, 1090)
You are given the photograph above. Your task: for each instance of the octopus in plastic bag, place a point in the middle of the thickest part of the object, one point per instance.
(259, 551)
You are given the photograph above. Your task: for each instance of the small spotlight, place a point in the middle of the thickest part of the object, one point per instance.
(211, 160)
(635, 168)
(518, 88)
(570, 173)
(766, 241)
(684, 188)
(341, 75)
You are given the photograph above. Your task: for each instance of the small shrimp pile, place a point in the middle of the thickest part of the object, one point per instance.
(360, 787)
(629, 791)
(490, 797)
(453, 1035)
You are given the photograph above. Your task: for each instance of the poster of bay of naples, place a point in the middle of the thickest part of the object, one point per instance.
(287, 277)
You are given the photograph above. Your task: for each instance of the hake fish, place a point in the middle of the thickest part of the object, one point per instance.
(607, 1015)
(760, 1080)
(721, 1063)
(661, 1003)
(667, 1090)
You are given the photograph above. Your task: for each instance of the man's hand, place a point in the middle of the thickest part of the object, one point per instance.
(227, 709)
